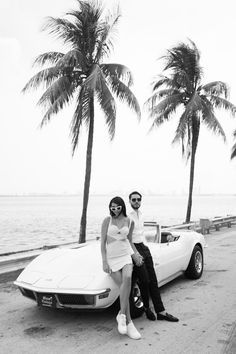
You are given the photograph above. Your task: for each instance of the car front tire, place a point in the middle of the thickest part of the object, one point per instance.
(135, 300)
(195, 267)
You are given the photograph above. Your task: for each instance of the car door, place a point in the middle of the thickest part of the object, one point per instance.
(171, 259)
(155, 252)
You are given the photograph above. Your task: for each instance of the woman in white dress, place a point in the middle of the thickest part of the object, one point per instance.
(117, 252)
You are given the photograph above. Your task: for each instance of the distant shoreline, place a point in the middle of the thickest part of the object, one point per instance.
(109, 194)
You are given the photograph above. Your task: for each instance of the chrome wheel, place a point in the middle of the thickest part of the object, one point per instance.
(195, 266)
(198, 261)
(138, 303)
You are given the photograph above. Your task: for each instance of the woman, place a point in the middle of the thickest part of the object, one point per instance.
(117, 253)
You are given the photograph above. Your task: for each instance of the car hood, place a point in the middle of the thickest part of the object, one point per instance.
(65, 268)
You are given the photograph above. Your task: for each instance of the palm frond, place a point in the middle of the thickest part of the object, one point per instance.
(172, 102)
(87, 21)
(81, 115)
(119, 71)
(44, 77)
(183, 60)
(209, 119)
(233, 152)
(185, 126)
(91, 80)
(106, 100)
(108, 106)
(167, 93)
(105, 32)
(62, 87)
(216, 88)
(162, 117)
(219, 102)
(73, 59)
(189, 125)
(182, 79)
(125, 95)
(55, 98)
(166, 81)
(88, 10)
(184, 132)
(63, 29)
(47, 58)
(182, 128)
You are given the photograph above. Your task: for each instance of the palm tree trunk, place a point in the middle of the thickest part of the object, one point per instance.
(195, 132)
(190, 192)
(83, 221)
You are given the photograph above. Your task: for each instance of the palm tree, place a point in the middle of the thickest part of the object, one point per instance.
(80, 74)
(181, 90)
(233, 153)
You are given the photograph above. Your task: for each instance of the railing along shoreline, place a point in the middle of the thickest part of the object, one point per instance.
(203, 226)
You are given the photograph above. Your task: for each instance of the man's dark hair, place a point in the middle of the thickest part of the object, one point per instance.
(135, 192)
(118, 201)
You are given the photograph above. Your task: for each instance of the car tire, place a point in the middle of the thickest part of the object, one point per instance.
(135, 300)
(195, 267)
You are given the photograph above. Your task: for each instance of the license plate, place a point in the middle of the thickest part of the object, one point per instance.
(47, 300)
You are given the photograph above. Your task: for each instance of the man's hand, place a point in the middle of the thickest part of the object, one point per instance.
(138, 259)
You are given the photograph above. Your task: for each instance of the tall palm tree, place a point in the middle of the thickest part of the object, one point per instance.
(80, 74)
(181, 90)
(233, 153)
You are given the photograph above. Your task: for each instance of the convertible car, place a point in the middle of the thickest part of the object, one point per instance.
(73, 278)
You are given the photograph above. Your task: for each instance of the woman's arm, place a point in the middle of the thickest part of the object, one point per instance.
(105, 265)
(138, 259)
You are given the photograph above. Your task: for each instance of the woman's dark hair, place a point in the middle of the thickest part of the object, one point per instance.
(135, 192)
(118, 201)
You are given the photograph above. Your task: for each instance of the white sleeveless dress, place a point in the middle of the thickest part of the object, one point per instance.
(118, 247)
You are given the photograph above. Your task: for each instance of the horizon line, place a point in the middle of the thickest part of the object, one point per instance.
(108, 194)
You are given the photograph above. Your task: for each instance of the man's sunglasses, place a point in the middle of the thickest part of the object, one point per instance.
(135, 200)
(118, 208)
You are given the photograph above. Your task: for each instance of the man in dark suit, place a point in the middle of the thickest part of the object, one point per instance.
(146, 273)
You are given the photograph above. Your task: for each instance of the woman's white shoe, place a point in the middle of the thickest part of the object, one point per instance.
(132, 331)
(121, 320)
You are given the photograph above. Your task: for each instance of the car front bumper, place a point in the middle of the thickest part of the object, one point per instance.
(79, 299)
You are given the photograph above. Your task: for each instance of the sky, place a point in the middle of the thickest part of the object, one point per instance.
(34, 160)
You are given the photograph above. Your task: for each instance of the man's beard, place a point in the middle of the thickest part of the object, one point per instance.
(135, 207)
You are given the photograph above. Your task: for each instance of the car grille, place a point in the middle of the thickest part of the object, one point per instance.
(75, 299)
(64, 299)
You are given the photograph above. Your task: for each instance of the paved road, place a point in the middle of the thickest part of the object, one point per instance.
(206, 308)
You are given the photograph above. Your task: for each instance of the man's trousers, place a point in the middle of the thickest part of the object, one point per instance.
(146, 275)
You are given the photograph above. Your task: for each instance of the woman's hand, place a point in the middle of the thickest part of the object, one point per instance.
(106, 267)
(138, 259)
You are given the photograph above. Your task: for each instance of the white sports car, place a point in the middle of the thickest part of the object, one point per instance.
(73, 278)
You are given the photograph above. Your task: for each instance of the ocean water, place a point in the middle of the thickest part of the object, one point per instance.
(28, 222)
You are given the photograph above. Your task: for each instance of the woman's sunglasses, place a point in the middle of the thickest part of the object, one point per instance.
(118, 208)
(136, 200)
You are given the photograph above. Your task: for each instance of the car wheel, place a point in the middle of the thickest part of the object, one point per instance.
(135, 300)
(195, 267)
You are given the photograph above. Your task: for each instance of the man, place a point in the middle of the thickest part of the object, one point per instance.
(146, 273)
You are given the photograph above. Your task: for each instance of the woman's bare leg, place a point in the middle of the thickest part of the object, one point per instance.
(125, 290)
(117, 277)
(128, 317)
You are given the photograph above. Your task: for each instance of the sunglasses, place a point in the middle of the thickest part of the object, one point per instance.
(136, 200)
(118, 208)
